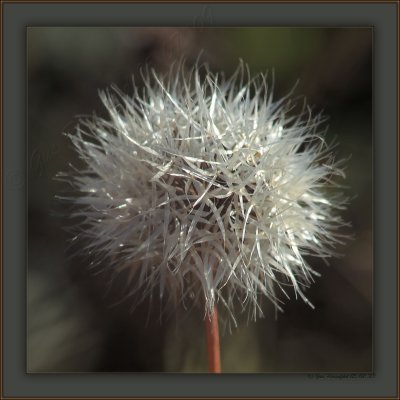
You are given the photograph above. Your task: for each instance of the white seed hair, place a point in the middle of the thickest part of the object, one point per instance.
(205, 188)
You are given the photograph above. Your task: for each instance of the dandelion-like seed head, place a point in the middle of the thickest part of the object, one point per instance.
(206, 188)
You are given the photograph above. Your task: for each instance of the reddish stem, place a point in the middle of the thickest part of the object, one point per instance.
(213, 348)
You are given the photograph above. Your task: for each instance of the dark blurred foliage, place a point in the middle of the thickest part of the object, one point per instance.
(76, 321)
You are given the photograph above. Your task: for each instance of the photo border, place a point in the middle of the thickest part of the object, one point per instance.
(16, 16)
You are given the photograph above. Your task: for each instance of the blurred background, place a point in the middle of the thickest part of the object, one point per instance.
(76, 321)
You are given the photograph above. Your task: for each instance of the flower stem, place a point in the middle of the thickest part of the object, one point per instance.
(213, 347)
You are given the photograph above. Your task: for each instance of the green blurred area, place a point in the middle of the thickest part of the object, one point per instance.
(273, 45)
(92, 330)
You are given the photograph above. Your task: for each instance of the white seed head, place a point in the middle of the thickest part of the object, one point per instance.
(207, 188)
